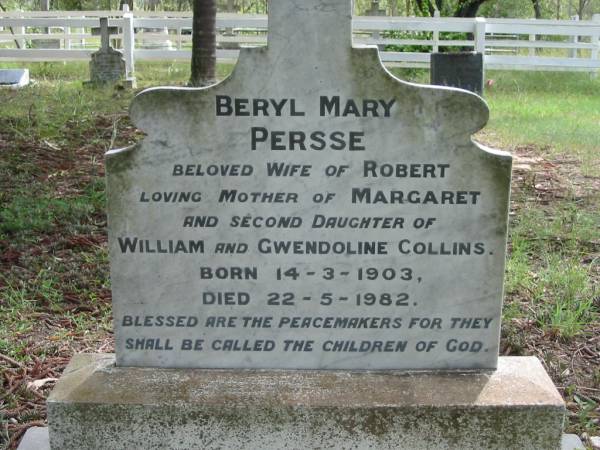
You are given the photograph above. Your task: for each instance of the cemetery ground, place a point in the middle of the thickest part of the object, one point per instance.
(54, 284)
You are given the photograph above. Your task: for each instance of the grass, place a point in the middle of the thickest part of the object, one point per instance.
(550, 269)
(556, 112)
(54, 283)
(147, 73)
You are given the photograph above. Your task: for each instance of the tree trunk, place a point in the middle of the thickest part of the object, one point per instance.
(464, 8)
(581, 8)
(204, 43)
(468, 8)
(425, 7)
(2, 8)
(537, 9)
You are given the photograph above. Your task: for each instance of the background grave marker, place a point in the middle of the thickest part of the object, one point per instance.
(107, 64)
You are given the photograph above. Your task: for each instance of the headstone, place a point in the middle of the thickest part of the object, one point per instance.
(462, 70)
(309, 212)
(375, 10)
(322, 215)
(45, 43)
(107, 64)
(162, 44)
(14, 78)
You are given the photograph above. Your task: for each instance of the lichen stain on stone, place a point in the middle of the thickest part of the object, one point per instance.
(499, 168)
(121, 160)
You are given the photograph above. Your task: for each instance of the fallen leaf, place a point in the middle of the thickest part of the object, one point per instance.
(36, 384)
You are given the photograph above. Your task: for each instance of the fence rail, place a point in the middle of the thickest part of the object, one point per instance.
(517, 44)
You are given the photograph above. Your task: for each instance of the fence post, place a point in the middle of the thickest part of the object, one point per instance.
(128, 42)
(436, 33)
(67, 31)
(480, 35)
(574, 40)
(532, 49)
(21, 30)
(480, 42)
(595, 39)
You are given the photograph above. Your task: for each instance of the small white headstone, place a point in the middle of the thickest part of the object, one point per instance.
(14, 78)
(310, 211)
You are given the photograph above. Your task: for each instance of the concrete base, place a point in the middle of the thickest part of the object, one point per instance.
(96, 405)
(14, 78)
(37, 438)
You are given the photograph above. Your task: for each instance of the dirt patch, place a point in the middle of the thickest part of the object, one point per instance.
(573, 364)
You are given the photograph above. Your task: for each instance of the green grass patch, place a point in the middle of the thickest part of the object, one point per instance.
(147, 72)
(556, 111)
(548, 268)
(58, 111)
(28, 215)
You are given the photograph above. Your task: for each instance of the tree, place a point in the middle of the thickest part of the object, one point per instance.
(456, 8)
(581, 8)
(204, 43)
(537, 8)
(2, 8)
(468, 8)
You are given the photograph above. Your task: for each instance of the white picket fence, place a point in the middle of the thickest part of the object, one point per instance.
(516, 44)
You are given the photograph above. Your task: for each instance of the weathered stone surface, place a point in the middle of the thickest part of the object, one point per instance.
(412, 161)
(14, 78)
(41, 440)
(107, 66)
(96, 405)
(45, 43)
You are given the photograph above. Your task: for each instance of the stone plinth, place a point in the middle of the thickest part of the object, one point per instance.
(96, 405)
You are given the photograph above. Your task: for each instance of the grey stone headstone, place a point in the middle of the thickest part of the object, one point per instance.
(14, 78)
(311, 211)
(375, 10)
(462, 70)
(107, 64)
(45, 43)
